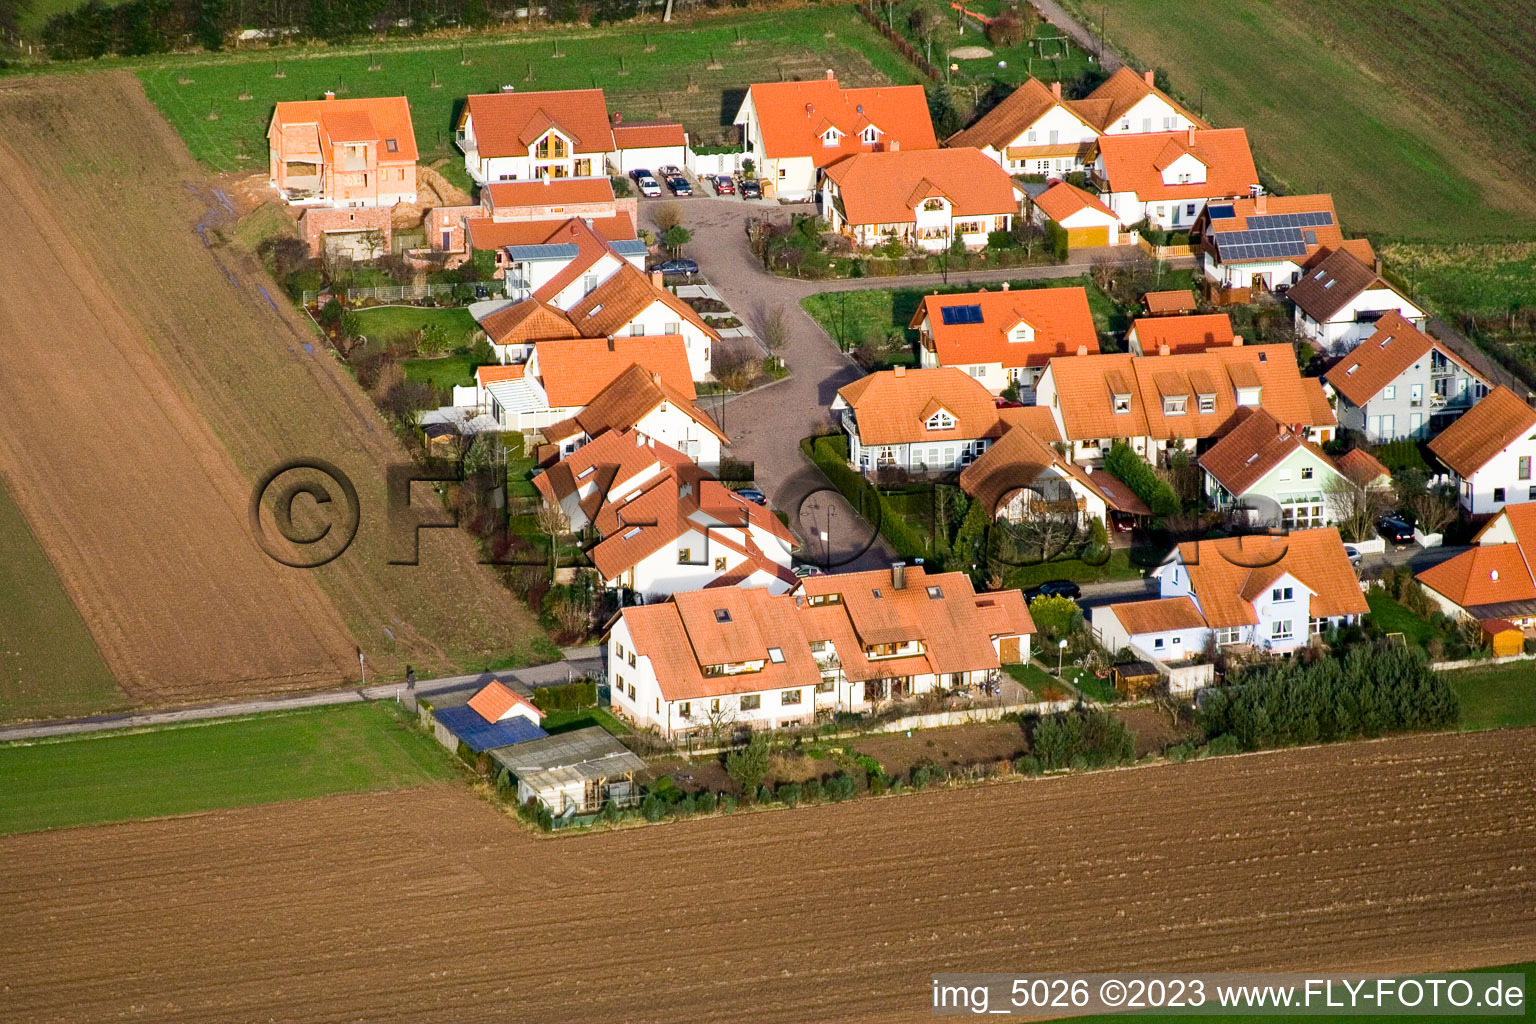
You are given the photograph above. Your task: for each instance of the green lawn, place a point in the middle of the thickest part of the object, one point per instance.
(1044, 55)
(49, 664)
(1405, 152)
(1090, 685)
(389, 323)
(581, 718)
(1496, 697)
(519, 484)
(697, 73)
(857, 314)
(1391, 617)
(1118, 567)
(443, 372)
(350, 748)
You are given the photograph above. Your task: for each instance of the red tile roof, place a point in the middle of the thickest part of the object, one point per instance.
(1497, 421)
(1227, 575)
(1182, 334)
(1380, 359)
(887, 188)
(1486, 574)
(508, 195)
(496, 699)
(893, 406)
(485, 233)
(793, 116)
(574, 371)
(626, 294)
(529, 320)
(1168, 303)
(1134, 163)
(375, 119)
(1063, 199)
(1322, 236)
(509, 123)
(491, 374)
(1062, 322)
(628, 399)
(1361, 466)
(1122, 91)
(1255, 446)
(1159, 615)
(648, 135)
(1004, 123)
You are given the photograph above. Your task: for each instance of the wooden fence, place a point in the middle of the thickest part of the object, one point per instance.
(901, 43)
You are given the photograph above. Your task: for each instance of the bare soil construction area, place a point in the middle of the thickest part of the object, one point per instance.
(1404, 855)
(148, 378)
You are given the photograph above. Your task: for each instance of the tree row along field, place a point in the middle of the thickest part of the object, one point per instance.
(174, 377)
(403, 907)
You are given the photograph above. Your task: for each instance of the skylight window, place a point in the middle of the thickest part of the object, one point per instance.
(391, 146)
(935, 593)
(586, 473)
(876, 592)
(722, 615)
(776, 655)
(1386, 341)
(632, 534)
(1351, 370)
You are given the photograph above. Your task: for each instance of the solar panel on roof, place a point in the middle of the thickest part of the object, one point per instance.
(960, 314)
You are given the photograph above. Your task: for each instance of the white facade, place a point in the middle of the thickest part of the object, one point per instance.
(660, 319)
(1356, 321)
(700, 555)
(1165, 645)
(524, 277)
(550, 156)
(933, 227)
(1056, 127)
(1150, 114)
(1265, 274)
(792, 177)
(1284, 614)
(919, 457)
(1505, 479)
(651, 157)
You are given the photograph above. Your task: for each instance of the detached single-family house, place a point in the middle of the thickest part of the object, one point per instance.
(1401, 383)
(496, 716)
(663, 524)
(1270, 592)
(1489, 451)
(838, 643)
(1161, 403)
(1262, 243)
(920, 421)
(642, 401)
(1363, 468)
(926, 198)
(1022, 476)
(515, 136)
(1180, 335)
(1004, 338)
(1271, 471)
(792, 130)
(573, 773)
(1035, 131)
(1085, 219)
(1166, 178)
(343, 153)
(1339, 300)
(1492, 579)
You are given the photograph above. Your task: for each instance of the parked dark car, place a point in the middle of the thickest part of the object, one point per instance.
(1053, 588)
(750, 189)
(646, 183)
(679, 185)
(753, 495)
(678, 267)
(1395, 530)
(724, 186)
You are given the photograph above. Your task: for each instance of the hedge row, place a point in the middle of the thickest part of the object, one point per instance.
(1134, 471)
(566, 696)
(830, 454)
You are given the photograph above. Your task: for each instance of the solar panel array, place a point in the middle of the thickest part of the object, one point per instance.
(1272, 237)
(960, 314)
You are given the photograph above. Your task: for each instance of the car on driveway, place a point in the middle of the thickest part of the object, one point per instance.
(1053, 588)
(689, 267)
(724, 186)
(750, 189)
(1353, 554)
(647, 185)
(1396, 530)
(679, 185)
(752, 494)
(670, 171)
(803, 570)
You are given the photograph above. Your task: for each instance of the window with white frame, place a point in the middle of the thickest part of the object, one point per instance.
(1316, 625)
(1174, 405)
(1207, 403)
(871, 134)
(751, 701)
(1122, 403)
(1228, 635)
(1282, 594)
(1157, 643)
(941, 420)
(789, 697)
(1281, 629)
(1389, 392)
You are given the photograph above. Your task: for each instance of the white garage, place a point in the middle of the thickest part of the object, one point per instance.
(649, 144)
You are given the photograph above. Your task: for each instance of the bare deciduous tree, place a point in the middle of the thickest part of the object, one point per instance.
(1434, 509)
(774, 330)
(554, 523)
(1355, 507)
(718, 721)
(667, 216)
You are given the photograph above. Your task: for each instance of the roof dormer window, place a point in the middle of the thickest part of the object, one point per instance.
(941, 420)
(722, 615)
(1207, 403)
(1122, 403)
(1175, 405)
(831, 137)
(871, 135)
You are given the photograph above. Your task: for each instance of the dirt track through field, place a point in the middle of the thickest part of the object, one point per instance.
(147, 379)
(1404, 855)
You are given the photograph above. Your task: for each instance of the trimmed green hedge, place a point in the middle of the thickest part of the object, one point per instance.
(1133, 471)
(830, 453)
(566, 696)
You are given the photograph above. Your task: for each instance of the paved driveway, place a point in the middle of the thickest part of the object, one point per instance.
(765, 426)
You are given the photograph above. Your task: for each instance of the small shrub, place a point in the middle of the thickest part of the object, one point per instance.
(841, 787)
(1029, 764)
(1005, 30)
(895, 787)
(1224, 745)
(1079, 763)
(684, 807)
(764, 795)
(653, 807)
(877, 785)
(813, 791)
(919, 778)
(705, 803)
(789, 793)
(727, 803)
(610, 812)
(1180, 752)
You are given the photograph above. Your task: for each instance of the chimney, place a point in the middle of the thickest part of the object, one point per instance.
(809, 110)
(1163, 349)
(1189, 136)
(1149, 76)
(1378, 264)
(898, 576)
(1281, 430)
(656, 279)
(894, 146)
(1237, 341)
(655, 377)
(610, 343)
(1005, 286)
(831, 75)
(1261, 205)
(509, 88)
(1082, 350)
(1056, 89)
(900, 371)
(618, 118)
(329, 95)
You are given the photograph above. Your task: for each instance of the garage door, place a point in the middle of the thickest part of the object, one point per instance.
(1079, 237)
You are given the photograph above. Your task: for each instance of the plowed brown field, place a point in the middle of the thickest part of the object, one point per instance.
(146, 381)
(1405, 855)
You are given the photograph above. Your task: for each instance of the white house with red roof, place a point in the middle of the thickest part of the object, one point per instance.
(926, 198)
(1267, 242)
(792, 130)
(849, 642)
(922, 421)
(1166, 178)
(1494, 579)
(1490, 451)
(516, 136)
(1004, 338)
(1085, 219)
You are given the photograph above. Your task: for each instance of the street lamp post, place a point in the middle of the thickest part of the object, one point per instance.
(1061, 653)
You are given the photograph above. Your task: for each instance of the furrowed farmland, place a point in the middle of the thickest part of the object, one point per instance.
(1360, 99)
(174, 379)
(394, 907)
